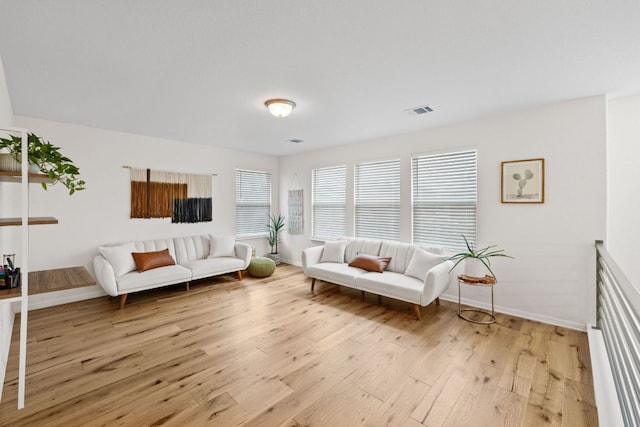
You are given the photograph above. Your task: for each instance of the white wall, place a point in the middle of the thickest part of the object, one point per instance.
(552, 277)
(623, 176)
(6, 113)
(100, 214)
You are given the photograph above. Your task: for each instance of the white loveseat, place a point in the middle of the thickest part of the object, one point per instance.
(415, 274)
(195, 257)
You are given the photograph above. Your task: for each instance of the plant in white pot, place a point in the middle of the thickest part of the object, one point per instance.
(477, 262)
(44, 158)
(276, 225)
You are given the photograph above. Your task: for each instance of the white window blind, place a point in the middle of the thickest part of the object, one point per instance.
(377, 200)
(329, 202)
(444, 199)
(253, 203)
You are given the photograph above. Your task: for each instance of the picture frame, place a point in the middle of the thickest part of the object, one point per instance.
(523, 181)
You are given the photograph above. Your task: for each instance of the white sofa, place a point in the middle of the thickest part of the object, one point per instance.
(415, 274)
(118, 274)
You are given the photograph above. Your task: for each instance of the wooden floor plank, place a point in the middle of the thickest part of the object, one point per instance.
(269, 352)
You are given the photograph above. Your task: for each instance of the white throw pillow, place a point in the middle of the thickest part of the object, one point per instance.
(438, 250)
(120, 257)
(421, 262)
(222, 246)
(334, 251)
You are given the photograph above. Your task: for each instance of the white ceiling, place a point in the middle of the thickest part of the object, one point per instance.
(200, 71)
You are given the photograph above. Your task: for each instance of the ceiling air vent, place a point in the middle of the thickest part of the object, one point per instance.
(416, 111)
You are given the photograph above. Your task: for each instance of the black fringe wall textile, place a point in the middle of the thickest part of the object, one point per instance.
(183, 197)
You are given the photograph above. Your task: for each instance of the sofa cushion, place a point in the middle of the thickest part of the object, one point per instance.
(421, 262)
(155, 245)
(400, 254)
(370, 263)
(213, 266)
(189, 248)
(361, 246)
(340, 274)
(150, 260)
(334, 251)
(136, 281)
(222, 246)
(390, 284)
(119, 256)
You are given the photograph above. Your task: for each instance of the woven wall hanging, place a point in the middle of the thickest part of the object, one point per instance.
(184, 197)
(295, 206)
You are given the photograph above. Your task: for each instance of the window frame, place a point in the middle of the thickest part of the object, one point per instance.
(390, 213)
(257, 205)
(340, 207)
(448, 207)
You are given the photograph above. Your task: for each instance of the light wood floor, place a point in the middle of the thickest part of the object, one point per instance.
(268, 352)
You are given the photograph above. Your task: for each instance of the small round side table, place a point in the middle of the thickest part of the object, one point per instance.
(486, 281)
(261, 267)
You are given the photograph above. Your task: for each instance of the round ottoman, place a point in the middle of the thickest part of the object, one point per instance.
(261, 267)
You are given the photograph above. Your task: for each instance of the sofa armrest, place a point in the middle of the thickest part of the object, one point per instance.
(437, 281)
(311, 256)
(243, 251)
(105, 275)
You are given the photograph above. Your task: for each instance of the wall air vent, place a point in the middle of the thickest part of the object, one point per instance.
(417, 111)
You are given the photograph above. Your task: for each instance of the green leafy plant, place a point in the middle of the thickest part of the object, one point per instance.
(48, 158)
(484, 255)
(276, 225)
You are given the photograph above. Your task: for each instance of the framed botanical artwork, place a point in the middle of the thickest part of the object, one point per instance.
(523, 181)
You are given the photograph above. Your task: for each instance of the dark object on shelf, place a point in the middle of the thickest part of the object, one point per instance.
(11, 279)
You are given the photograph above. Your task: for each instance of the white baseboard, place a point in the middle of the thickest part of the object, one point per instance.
(292, 262)
(609, 413)
(518, 313)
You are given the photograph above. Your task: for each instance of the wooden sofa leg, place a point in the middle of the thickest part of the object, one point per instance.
(362, 296)
(438, 301)
(239, 274)
(313, 283)
(187, 283)
(416, 310)
(123, 299)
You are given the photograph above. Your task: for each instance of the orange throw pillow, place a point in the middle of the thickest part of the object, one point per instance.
(370, 262)
(148, 260)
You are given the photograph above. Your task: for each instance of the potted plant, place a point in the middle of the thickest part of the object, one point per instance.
(47, 159)
(276, 225)
(477, 261)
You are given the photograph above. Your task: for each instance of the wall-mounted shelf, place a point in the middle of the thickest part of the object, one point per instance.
(16, 177)
(53, 280)
(33, 220)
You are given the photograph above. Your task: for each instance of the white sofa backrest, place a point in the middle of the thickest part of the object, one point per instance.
(191, 248)
(156, 245)
(357, 246)
(400, 254)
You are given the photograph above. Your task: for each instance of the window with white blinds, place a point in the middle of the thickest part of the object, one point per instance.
(329, 202)
(377, 200)
(444, 188)
(253, 203)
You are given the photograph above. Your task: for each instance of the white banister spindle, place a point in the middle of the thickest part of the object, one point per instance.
(24, 305)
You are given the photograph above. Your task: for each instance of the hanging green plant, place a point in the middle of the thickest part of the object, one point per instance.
(48, 159)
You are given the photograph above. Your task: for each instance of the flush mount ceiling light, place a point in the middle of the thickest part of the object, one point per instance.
(279, 107)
